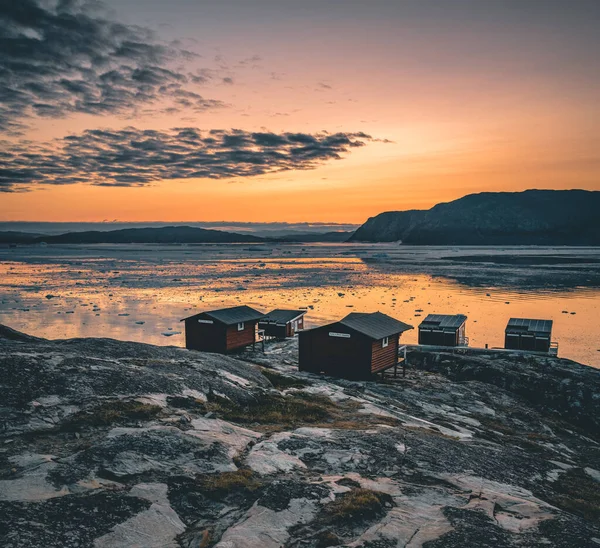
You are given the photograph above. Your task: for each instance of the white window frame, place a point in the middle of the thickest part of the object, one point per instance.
(241, 326)
(385, 342)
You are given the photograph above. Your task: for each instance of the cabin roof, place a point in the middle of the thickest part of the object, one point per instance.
(231, 316)
(282, 316)
(446, 321)
(532, 326)
(374, 325)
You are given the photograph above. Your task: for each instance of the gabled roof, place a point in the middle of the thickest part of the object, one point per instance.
(375, 325)
(444, 321)
(282, 316)
(532, 326)
(231, 316)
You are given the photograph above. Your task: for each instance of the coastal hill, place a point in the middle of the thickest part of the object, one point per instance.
(165, 235)
(532, 217)
(108, 443)
(150, 235)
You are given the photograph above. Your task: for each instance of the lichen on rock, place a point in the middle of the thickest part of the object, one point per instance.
(106, 443)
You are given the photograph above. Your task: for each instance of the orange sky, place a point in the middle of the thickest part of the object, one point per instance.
(476, 101)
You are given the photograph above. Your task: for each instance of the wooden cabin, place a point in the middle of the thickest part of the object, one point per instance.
(280, 323)
(356, 347)
(443, 330)
(532, 335)
(222, 330)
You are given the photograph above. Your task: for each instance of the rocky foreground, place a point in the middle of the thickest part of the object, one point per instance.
(106, 443)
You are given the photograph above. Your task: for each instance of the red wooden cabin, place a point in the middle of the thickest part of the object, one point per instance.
(222, 330)
(356, 347)
(282, 323)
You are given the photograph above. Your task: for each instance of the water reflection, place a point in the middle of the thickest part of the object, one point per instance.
(140, 292)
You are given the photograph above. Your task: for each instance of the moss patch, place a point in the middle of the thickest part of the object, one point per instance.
(112, 412)
(272, 412)
(218, 486)
(576, 492)
(276, 409)
(283, 382)
(324, 539)
(357, 505)
(187, 402)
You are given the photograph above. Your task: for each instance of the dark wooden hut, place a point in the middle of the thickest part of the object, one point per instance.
(222, 330)
(443, 330)
(281, 323)
(356, 347)
(527, 334)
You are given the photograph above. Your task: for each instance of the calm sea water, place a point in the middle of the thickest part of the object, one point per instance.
(140, 292)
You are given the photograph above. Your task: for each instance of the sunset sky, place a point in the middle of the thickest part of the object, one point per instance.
(281, 110)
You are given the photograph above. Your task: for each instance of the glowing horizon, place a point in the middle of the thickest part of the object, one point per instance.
(456, 100)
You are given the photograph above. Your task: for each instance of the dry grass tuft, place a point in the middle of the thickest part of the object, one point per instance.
(108, 413)
(277, 409)
(220, 485)
(206, 539)
(357, 505)
(283, 382)
(325, 539)
(272, 412)
(576, 492)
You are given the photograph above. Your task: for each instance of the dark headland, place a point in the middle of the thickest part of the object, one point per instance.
(108, 443)
(533, 217)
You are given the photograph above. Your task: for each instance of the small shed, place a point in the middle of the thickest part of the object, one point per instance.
(527, 334)
(222, 330)
(355, 347)
(443, 330)
(280, 323)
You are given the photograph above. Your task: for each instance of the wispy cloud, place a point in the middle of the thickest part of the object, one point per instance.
(58, 58)
(134, 157)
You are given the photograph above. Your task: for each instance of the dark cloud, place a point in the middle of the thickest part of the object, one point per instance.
(135, 157)
(59, 58)
(250, 61)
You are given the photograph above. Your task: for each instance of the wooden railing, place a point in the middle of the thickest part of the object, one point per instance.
(402, 353)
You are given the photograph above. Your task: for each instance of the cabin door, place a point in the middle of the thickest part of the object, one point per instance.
(527, 342)
(449, 338)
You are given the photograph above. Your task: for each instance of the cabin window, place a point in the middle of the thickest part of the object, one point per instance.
(385, 341)
(241, 326)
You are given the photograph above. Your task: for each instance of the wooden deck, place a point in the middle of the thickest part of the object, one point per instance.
(479, 350)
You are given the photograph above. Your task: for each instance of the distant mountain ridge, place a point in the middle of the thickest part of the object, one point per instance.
(14, 237)
(162, 235)
(337, 236)
(532, 217)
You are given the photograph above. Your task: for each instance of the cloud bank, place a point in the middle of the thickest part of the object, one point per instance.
(57, 57)
(134, 157)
